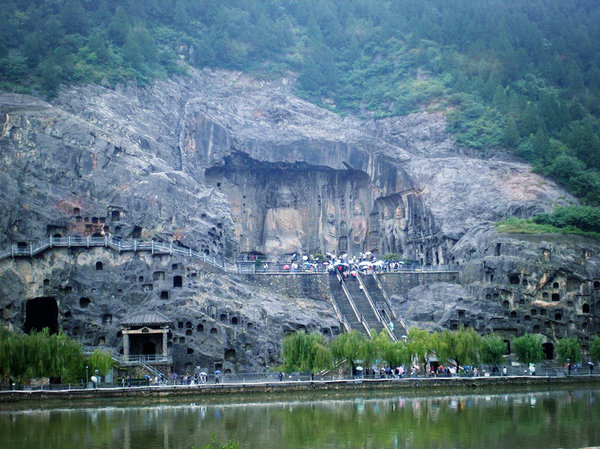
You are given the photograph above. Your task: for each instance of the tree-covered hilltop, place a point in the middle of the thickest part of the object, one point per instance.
(519, 75)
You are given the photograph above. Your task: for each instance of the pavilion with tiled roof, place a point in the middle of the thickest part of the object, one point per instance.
(145, 337)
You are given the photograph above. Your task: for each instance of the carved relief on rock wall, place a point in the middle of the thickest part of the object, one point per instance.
(358, 227)
(390, 217)
(281, 209)
(328, 230)
(283, 231)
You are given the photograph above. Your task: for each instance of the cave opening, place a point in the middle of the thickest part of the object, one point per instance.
(548, 349)
(137, 232)
(40, 313)
(585, 308)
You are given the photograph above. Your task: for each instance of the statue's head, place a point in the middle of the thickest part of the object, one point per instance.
(357, 208)
(399, 213)
(285, 197)
(387, 213)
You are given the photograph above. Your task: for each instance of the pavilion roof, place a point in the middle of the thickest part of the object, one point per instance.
(145, 319)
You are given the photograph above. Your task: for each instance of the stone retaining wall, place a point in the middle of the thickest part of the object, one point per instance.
(402, 282)
(401, 386)
(313, 286)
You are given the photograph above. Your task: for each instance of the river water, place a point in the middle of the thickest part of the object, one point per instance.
(548, 419)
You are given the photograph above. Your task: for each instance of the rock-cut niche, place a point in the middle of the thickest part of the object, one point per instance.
(283, 208)
(41, 313)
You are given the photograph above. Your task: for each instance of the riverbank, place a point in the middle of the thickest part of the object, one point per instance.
(211, 391)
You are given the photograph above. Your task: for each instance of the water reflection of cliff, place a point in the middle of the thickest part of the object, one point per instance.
(536, 420)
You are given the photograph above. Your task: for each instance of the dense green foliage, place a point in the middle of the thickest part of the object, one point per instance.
(461, 346)
(528, 348)
(493, 349)
(24, 357)
(514, 74)
(569, 348)
(304, 352)
(422, 345)
(350, 347)
(595, 348)
(214, 445)
(582, 220)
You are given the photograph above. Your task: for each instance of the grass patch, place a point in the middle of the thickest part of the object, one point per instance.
(529, 226)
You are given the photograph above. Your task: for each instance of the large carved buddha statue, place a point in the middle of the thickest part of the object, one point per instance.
(282, 230)
(358, 226)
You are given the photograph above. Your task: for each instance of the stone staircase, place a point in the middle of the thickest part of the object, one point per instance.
(363, 305)
(383, 305)
(344, 306)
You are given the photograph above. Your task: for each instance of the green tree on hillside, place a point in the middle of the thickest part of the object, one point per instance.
(493, 349)
(304, 352)
(460, 346)
(595, 348)
(502, 81)
(528, 348)
(569, 348)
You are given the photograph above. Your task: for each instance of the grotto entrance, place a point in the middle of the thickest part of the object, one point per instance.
(548, 349)
(145, 338)
(41, 313)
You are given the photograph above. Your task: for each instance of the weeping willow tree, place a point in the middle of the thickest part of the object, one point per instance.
(352, 347)
(460, 347)
(395, 353)
(304, 352)
(422, 345)
(100, 360)
(24, 357)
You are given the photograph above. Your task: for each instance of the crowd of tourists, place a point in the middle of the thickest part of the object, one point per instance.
(364, 263)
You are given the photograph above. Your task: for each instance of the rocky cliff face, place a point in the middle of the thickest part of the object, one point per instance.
(229, 165)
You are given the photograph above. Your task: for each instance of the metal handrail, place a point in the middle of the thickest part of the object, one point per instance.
(372, 304)
(387, 300)
(339, 314)
(358, 315)
(113, 243)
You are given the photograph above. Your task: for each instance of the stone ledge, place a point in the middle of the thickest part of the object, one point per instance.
(424, 385)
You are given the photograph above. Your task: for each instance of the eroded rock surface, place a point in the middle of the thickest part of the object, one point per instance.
(229, 165)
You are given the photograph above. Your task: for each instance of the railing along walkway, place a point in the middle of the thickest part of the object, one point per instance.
(155, 247)
(115, 244)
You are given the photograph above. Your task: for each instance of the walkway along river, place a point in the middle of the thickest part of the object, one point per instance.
(252, 388)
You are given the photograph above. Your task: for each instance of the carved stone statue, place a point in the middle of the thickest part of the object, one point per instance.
(282, 230)
(358, 227)
(388, 226)
(328, 230)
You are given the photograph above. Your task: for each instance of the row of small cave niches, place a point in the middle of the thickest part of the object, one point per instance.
(99, 226)
(537, 324)
(203, 326)
(586, 309)
(161, 278)
(157, 276)
(92, 225)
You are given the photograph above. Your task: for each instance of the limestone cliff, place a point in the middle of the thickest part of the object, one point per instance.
(229, 165)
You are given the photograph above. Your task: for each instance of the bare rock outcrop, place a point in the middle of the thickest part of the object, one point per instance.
(230, 165)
